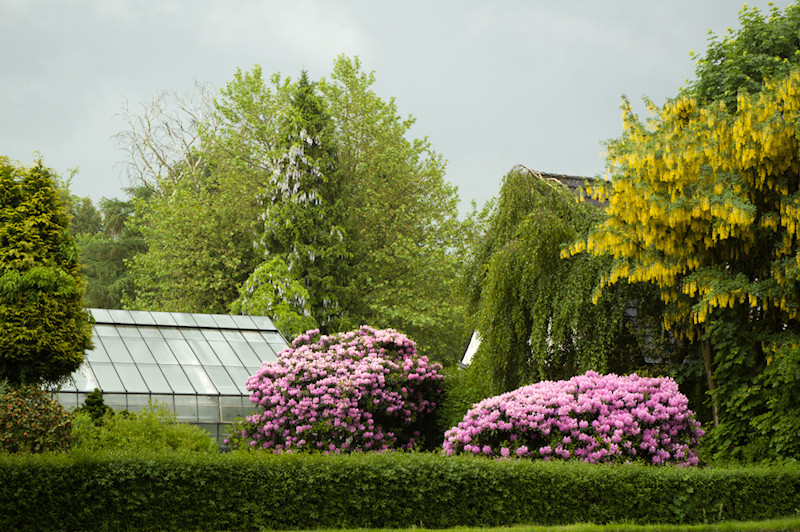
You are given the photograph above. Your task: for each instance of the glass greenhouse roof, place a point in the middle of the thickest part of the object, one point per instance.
(175, 353)
(195, 364)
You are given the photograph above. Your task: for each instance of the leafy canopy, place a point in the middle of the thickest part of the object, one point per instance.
(763, 47)
(256, 178)
(705, 205)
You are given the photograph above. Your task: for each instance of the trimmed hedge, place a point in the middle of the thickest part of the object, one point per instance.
(250, 491)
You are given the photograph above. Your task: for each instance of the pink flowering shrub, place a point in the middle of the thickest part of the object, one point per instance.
(593, 418)
(356, 391)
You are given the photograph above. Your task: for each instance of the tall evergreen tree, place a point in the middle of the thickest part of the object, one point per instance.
(44, 329)
(302, 206)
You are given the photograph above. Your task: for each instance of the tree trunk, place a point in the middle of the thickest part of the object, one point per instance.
(705, 348)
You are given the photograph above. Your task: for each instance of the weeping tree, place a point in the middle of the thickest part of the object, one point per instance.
(534, 308)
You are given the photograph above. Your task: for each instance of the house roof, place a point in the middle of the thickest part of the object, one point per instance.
(574, 183)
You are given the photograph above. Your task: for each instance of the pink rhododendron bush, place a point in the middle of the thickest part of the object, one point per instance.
(593, 418)
(362, 390)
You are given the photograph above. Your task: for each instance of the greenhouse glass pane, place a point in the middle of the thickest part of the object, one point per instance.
(253, 336)
(117, 401)
(107, 379)
(243, 322)
(211, 428)
(192, 334)
(207, 409)
(131, 378)
(246, 354)
(205, 320)
(154, 378)
(232, 335)
(100, 315)
(264, 353)
(142, 317)
(212, 334)
(222, 380)
(240, 376)
(200, 379)
(139, 351)
(278, 347)
(204, 353)
(163, 318)
(263, 322)
(98, 354)
(183, 352)
(167, 399)
(121, 316)
(276, 340)
(186, 407)
(185, 319)
(171, 332)
(128, 331)
(177, 379)
(224, 321)
(68, 400)
(85, 380)
(232, 407)
(105, 330)
(161, 351)
(116, 350)
(137, 402)
(150, 332)
(225, 353)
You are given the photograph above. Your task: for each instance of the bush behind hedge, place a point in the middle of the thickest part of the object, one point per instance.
(249, 491)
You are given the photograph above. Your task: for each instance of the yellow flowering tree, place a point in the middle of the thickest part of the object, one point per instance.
(705, 205)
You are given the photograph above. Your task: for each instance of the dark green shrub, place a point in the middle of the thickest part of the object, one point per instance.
(31, 421)
(121, 490)
(95, 406)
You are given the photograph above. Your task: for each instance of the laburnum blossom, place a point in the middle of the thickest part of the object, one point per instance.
(357, 391)
(594, 418)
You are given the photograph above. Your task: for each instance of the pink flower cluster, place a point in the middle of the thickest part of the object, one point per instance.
(593, 418)
(361, 390)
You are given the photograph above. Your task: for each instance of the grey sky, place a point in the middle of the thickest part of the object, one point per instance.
(492, 84)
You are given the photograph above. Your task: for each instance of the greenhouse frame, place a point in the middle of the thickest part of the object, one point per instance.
(197, 364)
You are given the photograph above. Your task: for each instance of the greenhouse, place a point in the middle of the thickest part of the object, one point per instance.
(198, 364)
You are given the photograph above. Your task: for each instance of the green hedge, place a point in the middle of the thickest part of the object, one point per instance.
(120, 491)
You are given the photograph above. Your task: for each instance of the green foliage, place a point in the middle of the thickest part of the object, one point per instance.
(105, 244)
(762, 48)
(199, 235)
(44, 330)
(534, 308)
(272, 290)
(247, 491)
(152, 429)
(95, 407)
(363, 178)
(31, 421)
(302, 203)
(462, 389)
(704, 206)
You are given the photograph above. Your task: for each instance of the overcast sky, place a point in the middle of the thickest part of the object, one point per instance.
(492, 84)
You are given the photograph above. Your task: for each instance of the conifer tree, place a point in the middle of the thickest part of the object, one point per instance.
(301, 202)
(44, 329)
